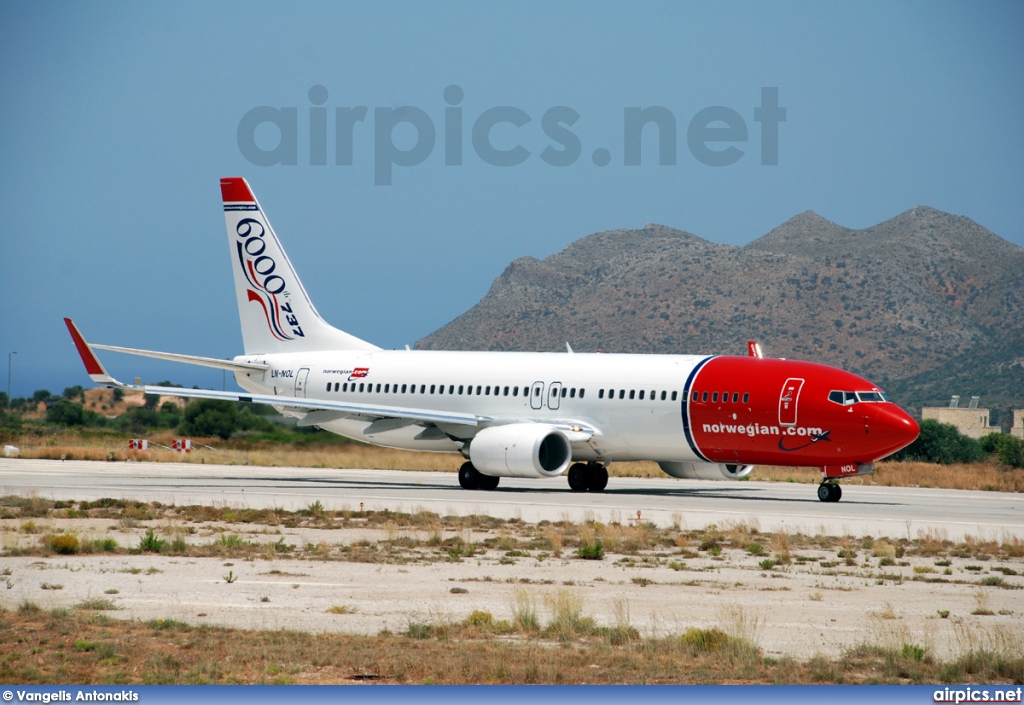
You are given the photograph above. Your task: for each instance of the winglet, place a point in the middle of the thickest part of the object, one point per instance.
(92, 364)
(754, 349)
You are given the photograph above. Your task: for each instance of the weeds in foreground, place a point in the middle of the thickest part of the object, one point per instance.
(151, 543)
(524, 611)
(485, 650)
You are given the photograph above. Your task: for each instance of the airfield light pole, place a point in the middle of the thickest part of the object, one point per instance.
(10, 355)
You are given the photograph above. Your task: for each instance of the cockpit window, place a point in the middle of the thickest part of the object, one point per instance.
(847, 398)
(842, 398)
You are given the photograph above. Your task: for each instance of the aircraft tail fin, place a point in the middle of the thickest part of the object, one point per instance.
(276, 313)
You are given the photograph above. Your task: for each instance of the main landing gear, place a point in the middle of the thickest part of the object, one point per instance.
(829, 491)
(588, 476)
(472, 479)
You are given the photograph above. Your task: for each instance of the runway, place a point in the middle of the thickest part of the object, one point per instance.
(864, 510)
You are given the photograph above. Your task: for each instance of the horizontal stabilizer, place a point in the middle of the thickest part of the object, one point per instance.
(229, 365)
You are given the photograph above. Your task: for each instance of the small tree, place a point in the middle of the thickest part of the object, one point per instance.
(41, 395)
(210, 417)
(65, 413)
(941, 443)
(4, 400)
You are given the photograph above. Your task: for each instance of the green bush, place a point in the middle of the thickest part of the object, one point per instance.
(591, 553)
(1009, 449)
(151, 543)
(941, 443)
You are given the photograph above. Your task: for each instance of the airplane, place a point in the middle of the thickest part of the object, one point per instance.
(527, 414)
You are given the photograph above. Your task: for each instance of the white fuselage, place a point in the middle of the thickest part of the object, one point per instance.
(539, 387)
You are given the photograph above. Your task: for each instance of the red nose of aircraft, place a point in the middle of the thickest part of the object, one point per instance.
(889, 428)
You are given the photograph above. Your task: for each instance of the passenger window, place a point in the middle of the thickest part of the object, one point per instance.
(622, 394)
(387, 388)
(564, 392)
(440, 389)
(572, 393)
(704, 396)
(378, 388)
(725, 397)
(403, 388)
(505, 392)
(344, 387)
(746, 397)
(328, 386)
(652, 395)
(432, 388)
(663, 396)
(735, 397)
(714, 397)
(674, 394)
(360, 386)
(695, 397)
(451, 389)
(600, 394)
(487, 390)
(641, 394)
(515, 391)
(478, 388)
(581, 392)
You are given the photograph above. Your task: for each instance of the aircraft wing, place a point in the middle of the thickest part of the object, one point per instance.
(318, 410)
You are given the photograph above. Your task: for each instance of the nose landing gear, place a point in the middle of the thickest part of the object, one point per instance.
(829, 491)
(585, 477)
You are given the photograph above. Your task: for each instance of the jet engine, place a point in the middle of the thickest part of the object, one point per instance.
(706, 471)
(520, 450)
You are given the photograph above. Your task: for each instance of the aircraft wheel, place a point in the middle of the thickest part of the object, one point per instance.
(836, 494)
(469, 477)
(597, 478)
(488, 482)
(578, 477)
(825, 492)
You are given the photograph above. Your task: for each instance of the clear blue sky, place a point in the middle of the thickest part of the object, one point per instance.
(119, 118)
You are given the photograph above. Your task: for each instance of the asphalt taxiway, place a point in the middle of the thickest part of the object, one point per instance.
(864, 510)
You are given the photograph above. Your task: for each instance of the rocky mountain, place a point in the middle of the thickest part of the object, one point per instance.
(927, 304)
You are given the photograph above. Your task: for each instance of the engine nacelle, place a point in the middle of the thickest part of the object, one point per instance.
(520, 450)
(706, 471)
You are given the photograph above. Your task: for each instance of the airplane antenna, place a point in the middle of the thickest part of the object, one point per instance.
(568, 348)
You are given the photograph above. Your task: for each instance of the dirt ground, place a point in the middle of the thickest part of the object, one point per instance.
(365, 580)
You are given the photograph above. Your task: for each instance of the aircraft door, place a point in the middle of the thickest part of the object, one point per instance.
(788, 401)
(554, 395)
(537, 395)
(300, 382)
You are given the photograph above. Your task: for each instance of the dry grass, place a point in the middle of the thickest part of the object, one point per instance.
(35, 646)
